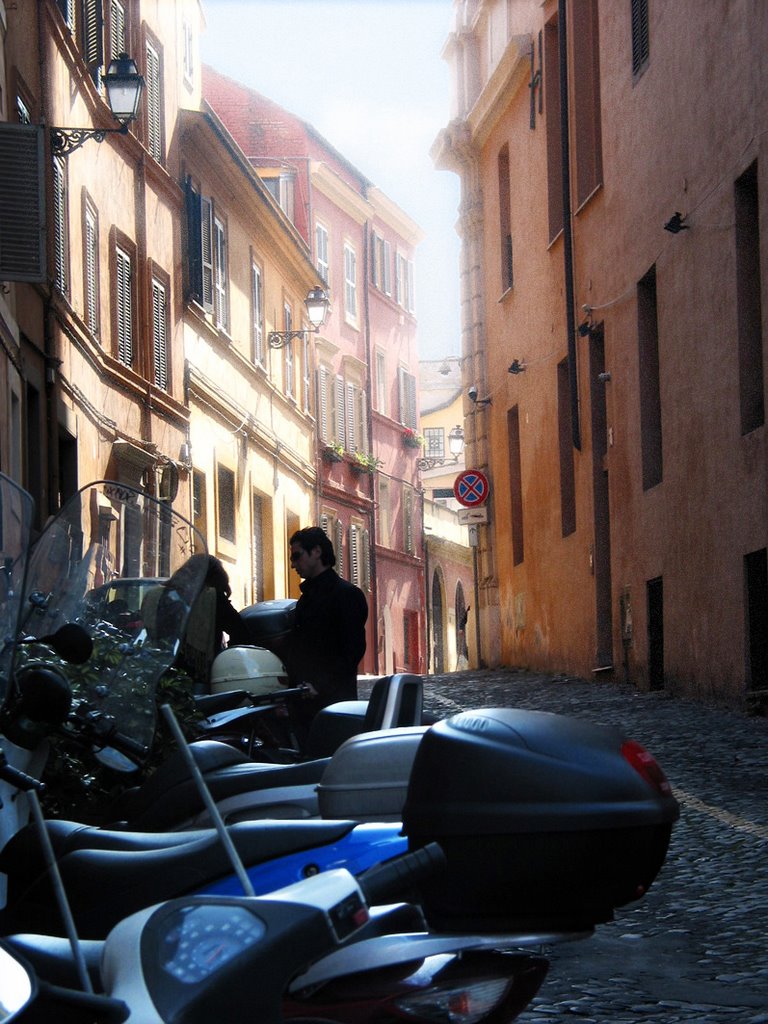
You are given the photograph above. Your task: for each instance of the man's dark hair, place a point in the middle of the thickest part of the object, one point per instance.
(315, 537)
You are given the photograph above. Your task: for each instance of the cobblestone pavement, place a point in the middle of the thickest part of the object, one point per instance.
(696, 947)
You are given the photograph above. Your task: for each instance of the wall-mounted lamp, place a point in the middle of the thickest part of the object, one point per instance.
(676, 224)
(318, 306)
(472, 396)
(124, 86)
(516, 367)
(455, 447)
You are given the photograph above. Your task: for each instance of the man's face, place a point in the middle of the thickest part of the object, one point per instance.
(306, 563)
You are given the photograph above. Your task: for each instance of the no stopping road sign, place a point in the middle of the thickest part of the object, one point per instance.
(471, 488)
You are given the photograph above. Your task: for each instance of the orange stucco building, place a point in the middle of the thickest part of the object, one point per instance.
(613, 222)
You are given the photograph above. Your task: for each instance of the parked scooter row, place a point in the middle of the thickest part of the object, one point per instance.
(548, 823)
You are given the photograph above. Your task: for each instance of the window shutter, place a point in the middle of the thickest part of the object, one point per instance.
(91, 272)
(407, 388)
(640, 36)
(154, 104)
(341, 434)
(206, 252)
(354, 554)
(386, 266)
(257, 546)
(338, 544)
(160, 334)
(375, 275)
(353, 438)
(116, 29)
(124, 311)
(60, 224)
(322, 403)
(22, 203)
(194, 242)
(93, 35)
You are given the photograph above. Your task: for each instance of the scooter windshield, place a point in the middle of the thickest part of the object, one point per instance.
(126, 568)
(16, 517)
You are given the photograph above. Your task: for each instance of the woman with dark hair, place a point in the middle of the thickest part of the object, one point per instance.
(199, 592)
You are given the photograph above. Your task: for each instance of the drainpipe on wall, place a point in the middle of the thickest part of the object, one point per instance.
(372, 486)
(570, 318)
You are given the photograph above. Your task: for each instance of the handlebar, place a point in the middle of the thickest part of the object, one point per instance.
(395, 877)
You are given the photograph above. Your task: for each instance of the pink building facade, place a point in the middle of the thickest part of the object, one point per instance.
(360, 372)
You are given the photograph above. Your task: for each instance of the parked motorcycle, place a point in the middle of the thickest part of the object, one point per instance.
(519, 799)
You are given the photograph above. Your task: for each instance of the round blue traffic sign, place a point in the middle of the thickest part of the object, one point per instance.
(471, 488)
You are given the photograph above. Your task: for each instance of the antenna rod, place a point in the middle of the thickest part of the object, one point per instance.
(205, 793)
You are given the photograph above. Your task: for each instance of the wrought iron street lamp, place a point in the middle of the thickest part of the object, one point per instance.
(123, 85)
(455, 447)
(318, 305)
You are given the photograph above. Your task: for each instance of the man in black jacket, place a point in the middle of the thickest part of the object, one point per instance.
(327, 641)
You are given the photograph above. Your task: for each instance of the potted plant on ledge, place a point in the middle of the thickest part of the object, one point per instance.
(333, 451)
(362, 462)
(411, 439)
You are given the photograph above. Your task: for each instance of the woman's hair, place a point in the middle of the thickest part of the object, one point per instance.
(205, 568)
(315, 537)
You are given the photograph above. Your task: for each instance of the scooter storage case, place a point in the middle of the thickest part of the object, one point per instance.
(547, 822)
(367, 778)
(269, 622)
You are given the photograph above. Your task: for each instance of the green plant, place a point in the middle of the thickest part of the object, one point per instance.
(368, 462)
(411, 439)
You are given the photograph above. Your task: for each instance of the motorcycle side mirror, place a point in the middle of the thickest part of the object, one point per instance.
(17, 985)
(71, 642)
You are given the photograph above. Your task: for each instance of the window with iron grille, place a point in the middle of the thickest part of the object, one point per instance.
(124, 306)
(91, 279)
(434, 442)
(160, 333)
(641, 50)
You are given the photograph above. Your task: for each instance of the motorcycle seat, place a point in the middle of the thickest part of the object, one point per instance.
(105, 885)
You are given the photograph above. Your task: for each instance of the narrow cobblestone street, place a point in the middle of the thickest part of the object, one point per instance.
(696, 947)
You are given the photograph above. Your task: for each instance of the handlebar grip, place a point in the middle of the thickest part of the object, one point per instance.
(395, 877)
(130, 747)
(19, 779)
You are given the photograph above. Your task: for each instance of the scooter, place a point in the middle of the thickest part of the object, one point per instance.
(409, 971)
(602, 799)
